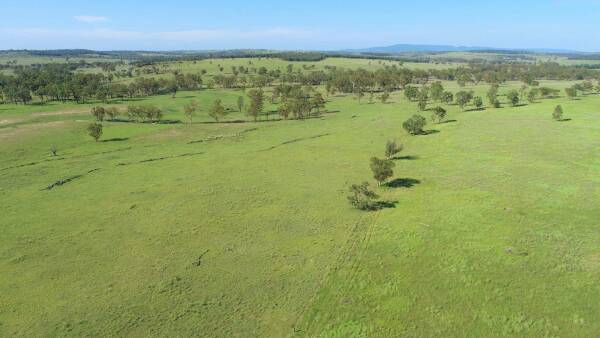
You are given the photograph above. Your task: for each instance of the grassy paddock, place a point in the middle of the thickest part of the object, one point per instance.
(243, 229)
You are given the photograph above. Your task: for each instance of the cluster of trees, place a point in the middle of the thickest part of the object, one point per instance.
(145, 113)
(297, 102)
(361, 196)
(58, 82)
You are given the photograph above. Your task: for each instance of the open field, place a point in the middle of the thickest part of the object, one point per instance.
(243, 229)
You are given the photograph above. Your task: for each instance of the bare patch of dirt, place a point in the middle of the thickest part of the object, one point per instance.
(9, 133)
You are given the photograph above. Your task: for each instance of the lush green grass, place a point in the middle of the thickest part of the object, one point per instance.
(494, 232)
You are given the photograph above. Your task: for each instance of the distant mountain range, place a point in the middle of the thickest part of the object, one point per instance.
(409, 48)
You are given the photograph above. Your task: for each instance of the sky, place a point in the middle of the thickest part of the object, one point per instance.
(297, 25)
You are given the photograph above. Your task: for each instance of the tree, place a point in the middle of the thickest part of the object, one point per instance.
(492, 94)
(571, 92)
(362, 197)
(98, 113)
(439, 114)
(95, 131)
(463, 98)
(217, 111)
(382, 169)
(422, 104)
(532, 95)
(392, 148)
(190, 110)
(240, 103)
(558, 113)
(437, 91)
(478, 102)
(411, 92)
(448, 97)
(384, 97)
(112, 113)
(256, 102)
(317, 103)
(513, 97)
(415, 125)
(173, 87)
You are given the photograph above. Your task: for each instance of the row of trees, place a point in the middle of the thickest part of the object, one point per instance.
(59, 82)
(145, 113)
(361, 196)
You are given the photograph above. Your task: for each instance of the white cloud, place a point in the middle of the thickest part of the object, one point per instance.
(90, 18)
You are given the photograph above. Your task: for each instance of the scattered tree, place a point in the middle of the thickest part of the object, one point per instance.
(392, 148)
(382, 169)
(463, 98)
(513, 97)
(240, 103)
(478, 102)
(98, 113)
(384, 97)
(190, 110)
(415, 125)
(217, 111)
(362, 197)
(439, 114)
(558, 113)
(95, 131)
(256, 102)
(571, 92)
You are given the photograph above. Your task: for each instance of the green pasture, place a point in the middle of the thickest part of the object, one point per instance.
(242, 228)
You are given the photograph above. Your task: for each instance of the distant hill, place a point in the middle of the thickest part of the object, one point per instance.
(409, 48)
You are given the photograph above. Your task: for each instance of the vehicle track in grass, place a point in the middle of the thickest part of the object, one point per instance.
(343, 273)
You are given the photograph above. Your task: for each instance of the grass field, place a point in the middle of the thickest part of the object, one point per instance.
(244, 230)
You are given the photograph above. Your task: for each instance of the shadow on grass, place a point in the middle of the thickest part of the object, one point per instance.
(117, 139)
(380, 205)
(403, 183)
(169, 122)
(405, 158)
(564, 120)
(429, 132)
(448, 121)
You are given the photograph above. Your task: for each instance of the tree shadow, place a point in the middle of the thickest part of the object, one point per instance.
(380, 205)
(117, 139)
(447, 121)
(405, 158)
(169, 122)
(429, 132)
(564, 120)
(403, 183)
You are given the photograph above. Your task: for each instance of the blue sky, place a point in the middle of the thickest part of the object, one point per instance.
(308, 24)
